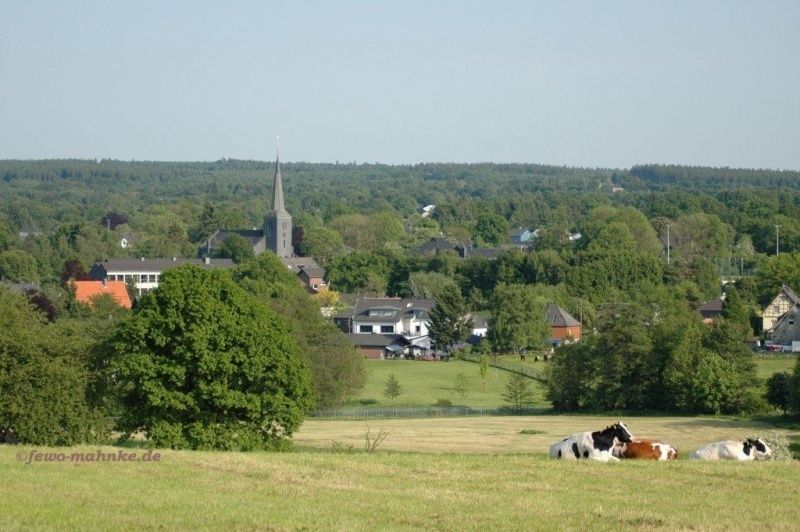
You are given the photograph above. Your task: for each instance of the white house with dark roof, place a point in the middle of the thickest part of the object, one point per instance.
(402, 321)
(145, 274)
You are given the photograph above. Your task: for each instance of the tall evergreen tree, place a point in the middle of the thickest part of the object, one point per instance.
(450, 320)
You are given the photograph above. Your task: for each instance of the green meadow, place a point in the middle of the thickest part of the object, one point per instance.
(487, 473)
(423, 383)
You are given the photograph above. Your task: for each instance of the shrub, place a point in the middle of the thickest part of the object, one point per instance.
(443, 402)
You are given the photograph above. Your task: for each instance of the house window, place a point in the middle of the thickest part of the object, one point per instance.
(791, 322)
(418, 328)
(152, 278)
(380, 313)
(365, 328)
(387, 328)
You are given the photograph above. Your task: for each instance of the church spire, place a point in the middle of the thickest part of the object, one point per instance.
(277, 189)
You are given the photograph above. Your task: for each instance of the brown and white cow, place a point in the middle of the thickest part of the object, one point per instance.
(645, 450)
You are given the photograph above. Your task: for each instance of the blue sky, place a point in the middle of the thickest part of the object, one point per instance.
(576, 83)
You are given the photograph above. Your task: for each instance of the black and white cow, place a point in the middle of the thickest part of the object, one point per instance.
(749, 449)
(592, 445)
(8, 435)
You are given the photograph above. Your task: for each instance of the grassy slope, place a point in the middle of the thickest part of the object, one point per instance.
(425, 382)
(384, 490)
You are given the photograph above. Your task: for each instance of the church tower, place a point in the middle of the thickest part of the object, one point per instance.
(278, 223)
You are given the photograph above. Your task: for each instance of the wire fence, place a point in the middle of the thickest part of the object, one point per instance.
(508, 365)
(420, 412)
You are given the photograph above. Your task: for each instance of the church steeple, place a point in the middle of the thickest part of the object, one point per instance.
(277, 189)
(278, 222)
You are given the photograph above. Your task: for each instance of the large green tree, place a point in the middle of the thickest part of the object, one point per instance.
(517, 323)
(337, 369)
(202, 364)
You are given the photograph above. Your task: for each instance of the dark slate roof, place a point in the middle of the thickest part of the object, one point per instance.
(712, 308)
(296, 263)
(375, 340)
(157, 265)
(556, 316)
(519, 231)
(436, 244)
(312, 271)
(403, 307)
(790, 294)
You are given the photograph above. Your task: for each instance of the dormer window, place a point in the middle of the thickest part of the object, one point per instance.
(381, 313)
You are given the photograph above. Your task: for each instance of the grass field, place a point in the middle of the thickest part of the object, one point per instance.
(395, 491)
(767, 365)
(502, 434)
(425, 382)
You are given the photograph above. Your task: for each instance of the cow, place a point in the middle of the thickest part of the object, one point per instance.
(592, 445)
(8, 435)
(645, 450)
(749, 449)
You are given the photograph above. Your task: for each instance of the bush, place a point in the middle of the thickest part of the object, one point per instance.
(45, 380)
(443, 402)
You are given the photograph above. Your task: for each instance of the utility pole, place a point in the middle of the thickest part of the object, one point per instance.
(667, 243)
(777, 240)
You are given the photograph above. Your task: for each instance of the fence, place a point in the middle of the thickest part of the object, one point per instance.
(507, 365)
(418, 412)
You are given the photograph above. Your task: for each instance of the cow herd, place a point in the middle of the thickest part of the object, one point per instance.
(616, 442)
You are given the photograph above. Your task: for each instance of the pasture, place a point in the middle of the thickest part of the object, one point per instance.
(766, 365)
(424, 383)
(395, 491)
(523, 434)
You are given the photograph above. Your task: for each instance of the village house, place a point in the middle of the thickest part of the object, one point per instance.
(564, 328)
(402, 324)
(87, 291)
(712, 310)
(520, 236)
(145, 274)
(780, 321)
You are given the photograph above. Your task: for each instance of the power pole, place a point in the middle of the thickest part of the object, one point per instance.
(777, 240)
(667, 243)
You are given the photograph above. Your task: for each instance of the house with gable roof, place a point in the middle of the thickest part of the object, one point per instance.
(780, 321)
(382, 327)
(564, 328)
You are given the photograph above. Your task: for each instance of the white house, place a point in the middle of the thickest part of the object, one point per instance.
(145, 274)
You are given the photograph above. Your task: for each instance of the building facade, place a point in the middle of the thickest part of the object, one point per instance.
(145, 274)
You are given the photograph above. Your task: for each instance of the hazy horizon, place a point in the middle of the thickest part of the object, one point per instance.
(575, 84)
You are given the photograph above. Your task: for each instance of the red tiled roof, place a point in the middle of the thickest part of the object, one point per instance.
(86, 290)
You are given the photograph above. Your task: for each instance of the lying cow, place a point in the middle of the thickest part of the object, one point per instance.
(645, 450)
(749, 449)
(592, 445)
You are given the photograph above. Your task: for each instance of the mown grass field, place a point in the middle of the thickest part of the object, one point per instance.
(424, 383)
(503, 434)
(388, 490)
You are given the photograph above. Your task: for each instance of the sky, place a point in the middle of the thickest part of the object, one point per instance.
(577, 83)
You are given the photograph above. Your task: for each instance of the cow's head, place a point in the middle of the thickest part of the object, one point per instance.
(621, 432)
(759, 447)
